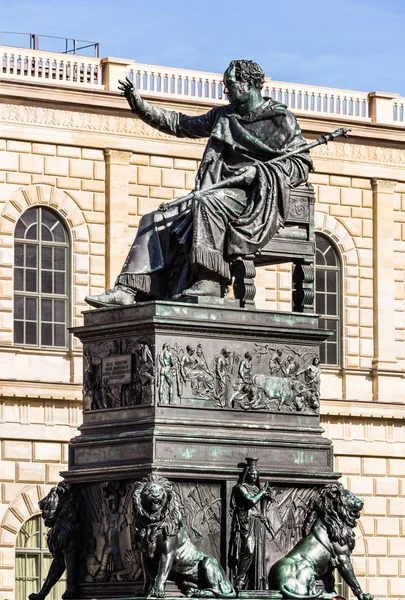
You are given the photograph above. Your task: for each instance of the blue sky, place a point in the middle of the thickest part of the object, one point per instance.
(352, 44)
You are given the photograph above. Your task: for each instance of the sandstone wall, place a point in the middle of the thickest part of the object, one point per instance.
(101, 170)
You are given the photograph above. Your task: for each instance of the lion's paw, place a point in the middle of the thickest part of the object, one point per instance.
(365, 597)
(35, 597)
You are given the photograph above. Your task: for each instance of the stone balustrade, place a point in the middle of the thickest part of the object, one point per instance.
(399, 110)
(36, 66)
(197, 87)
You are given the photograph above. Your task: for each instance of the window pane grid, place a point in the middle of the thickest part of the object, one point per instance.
(40, 280)
(327, 298)
(33, 560)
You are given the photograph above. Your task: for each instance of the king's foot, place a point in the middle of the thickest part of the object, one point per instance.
(204, 287)
(114, 297)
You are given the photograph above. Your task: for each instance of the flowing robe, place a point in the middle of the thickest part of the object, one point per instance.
(246, 558)
(217, 226)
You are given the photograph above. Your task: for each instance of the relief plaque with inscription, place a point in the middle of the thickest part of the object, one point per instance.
(117, 369)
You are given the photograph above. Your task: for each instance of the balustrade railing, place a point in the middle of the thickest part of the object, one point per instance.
(181, 84)
(49, 67)
(194, 86)
(319, 101)
(399, 111)
(178, 84)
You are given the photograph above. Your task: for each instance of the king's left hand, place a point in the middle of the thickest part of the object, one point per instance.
(247, 174)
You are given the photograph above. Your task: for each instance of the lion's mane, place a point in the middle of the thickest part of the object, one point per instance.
(169, 519)
(328, 504)
(62, 503)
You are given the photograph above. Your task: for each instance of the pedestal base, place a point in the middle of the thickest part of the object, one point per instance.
(193, 389)
(190, 390)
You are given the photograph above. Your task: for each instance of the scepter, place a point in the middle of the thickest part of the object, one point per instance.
(239, 179)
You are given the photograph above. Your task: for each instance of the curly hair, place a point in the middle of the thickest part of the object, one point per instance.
(170, 517)
(329, 506)
(248, 71)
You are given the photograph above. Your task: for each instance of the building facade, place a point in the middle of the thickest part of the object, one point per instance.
(77, 172)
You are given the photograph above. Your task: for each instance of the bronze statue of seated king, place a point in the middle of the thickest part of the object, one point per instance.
(238, 204)
(254, 158)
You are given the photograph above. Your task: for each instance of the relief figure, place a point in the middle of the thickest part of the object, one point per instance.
(246, 558)
(194, 369)
(166, 370)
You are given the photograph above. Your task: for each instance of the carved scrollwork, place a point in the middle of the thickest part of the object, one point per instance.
(82, 121)
(244, 273)
(297, 209)
(303, 295)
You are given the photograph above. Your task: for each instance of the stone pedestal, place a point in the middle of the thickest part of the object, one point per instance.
(190, 390)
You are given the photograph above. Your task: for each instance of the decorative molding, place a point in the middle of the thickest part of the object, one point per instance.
(131, 126)
(34, 390)
(360, 152)
(80, 121)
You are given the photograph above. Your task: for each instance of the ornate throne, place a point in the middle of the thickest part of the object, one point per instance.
(295, 243)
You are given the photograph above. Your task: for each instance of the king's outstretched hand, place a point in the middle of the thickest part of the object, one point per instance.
(128, 89)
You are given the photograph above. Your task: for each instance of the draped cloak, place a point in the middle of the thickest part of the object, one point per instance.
(217, 226)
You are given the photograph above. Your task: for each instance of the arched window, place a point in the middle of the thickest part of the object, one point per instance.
(328, 297)
(41, 267)
(32, 561)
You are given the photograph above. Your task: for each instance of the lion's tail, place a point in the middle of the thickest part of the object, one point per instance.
(294, 596)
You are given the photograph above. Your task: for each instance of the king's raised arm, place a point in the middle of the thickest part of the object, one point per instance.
(169, 121)
(238, 197)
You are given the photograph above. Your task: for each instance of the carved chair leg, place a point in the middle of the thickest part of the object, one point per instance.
(303, 287)
(244, 271)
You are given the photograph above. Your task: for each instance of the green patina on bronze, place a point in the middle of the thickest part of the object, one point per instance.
(327, 544)
(239, 200)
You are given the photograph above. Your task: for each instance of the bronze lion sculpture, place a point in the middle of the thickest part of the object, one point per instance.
(166, 549)
(60, 512)
(327, 544)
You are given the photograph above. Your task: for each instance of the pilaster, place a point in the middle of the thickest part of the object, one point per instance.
(116, 194)
(383, 283)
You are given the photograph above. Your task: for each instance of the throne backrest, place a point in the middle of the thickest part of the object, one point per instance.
(297, 238)
(294, 242)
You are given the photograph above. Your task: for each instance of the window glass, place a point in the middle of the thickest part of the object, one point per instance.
(32, 561)
(41, 253)
(328, 297)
